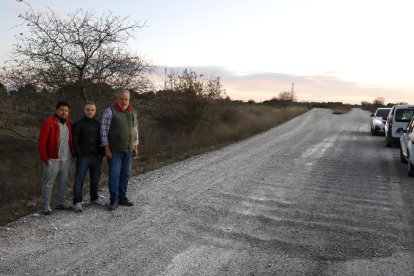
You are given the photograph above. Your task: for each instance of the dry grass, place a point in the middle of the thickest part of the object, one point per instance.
(158, 147)
(21, 169)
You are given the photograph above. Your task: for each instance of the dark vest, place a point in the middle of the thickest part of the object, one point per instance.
(122, 134)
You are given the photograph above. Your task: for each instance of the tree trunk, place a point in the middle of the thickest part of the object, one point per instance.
(82, 88)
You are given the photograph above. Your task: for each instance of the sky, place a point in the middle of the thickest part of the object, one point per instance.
(332, 50)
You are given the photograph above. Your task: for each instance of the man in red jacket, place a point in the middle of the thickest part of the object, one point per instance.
(56, 152)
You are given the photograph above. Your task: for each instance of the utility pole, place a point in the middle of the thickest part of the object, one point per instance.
(293, 85)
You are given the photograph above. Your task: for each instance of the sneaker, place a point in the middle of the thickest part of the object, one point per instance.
(63, 206)
(77, 207)
(46, 211)
(95, 201)
(112, 206)
(125, 201)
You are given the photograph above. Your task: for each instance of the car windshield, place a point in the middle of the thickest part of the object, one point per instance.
(404, 115)
(382, 112)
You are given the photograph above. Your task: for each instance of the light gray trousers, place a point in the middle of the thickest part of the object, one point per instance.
(55, 170)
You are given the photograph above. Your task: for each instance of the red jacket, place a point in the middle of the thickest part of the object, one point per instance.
(49, 138)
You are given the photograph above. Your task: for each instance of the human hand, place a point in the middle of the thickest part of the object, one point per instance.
(108, 152)
(135, 152)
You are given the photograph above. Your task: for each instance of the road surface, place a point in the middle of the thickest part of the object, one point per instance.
(317, 195)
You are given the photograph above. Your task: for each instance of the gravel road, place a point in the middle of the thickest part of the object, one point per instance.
(315, 196)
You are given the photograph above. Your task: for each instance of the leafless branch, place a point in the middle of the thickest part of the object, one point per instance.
(60, 50)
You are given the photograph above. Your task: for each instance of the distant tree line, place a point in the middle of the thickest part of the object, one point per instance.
(284, 99)
(376, 103)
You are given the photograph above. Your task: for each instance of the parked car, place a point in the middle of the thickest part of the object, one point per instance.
(378, 120)
(397, 120)
(407, 147)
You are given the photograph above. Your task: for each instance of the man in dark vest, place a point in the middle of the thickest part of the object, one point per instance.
(119, 135)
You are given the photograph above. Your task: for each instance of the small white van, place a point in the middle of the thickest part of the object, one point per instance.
(397, 120)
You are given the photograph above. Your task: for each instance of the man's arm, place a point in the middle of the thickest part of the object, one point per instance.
(42, 140)
(106, 123)
(135, 149)
(75, 138)
(137, 141)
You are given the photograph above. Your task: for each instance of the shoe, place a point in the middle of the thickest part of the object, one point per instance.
(95, 201)
(125, 201)
(112, 206)
(77, 207)
(63, 207)
(46, 211)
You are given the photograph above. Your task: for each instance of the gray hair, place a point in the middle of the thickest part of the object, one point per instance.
(122, 91)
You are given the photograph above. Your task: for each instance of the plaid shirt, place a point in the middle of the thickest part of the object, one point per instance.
(106, 123)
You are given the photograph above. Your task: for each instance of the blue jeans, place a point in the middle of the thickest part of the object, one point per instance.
(83, 164)
(119, 171)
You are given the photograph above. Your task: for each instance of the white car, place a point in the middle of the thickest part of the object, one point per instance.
(378, 120)
(407, 147)
(397, 120)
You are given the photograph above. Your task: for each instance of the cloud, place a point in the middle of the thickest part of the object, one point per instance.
(321, 87)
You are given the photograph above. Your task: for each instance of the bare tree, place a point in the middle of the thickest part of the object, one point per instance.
(379, 101)
(78, 48)
(286, 98)
(198, 84)
(187, 101)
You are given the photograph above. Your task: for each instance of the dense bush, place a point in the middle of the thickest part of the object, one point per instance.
(188, 103)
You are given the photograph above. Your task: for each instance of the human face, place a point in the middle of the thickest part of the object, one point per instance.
(123, 100)
(89, 110)
(63, 112)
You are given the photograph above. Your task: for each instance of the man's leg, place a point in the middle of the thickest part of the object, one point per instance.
(114, 167)
(50, 171)
(95, 176)
(125, 172)
(82, 164)
(62, 181)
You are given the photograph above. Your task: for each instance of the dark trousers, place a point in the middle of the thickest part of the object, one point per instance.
(83, 164)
